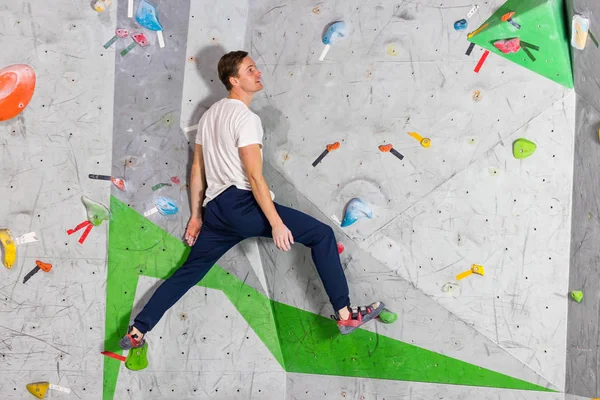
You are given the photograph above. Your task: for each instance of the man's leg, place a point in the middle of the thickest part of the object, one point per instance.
(210, 245)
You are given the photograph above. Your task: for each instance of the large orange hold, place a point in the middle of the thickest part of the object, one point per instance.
(17, 83)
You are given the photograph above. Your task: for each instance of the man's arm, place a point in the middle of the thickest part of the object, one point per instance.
(252, 160)
(197, 183)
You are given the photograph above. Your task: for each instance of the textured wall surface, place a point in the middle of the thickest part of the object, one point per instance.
(464, 200)
(51, 328)
(583, 334)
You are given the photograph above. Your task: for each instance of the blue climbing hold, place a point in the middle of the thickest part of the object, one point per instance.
(461, 24)
(166, 205)
(147, 16)
(336, 31)
(355, 210)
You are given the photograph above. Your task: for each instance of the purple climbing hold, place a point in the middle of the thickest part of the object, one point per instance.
(355, 210)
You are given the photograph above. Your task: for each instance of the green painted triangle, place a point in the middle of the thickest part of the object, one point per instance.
(299, 340)
(543, 24)
(523, 148)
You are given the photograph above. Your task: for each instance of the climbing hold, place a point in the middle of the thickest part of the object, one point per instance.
(96, 212)
(101, 5)
(476, 31)
(461, 24)
(17, 83)
(147, 16)
(475, 269)
(138, 39)
(317, 10)
(26, 238)
(580, 30)
(508, 46)
(477, 95)
(329, 148)
(523, 148)
(449, 287)
(389, 148)
(137, 358)
(39, 389)
(159, 186)
(340, 247)
(119, 34)
(425, 142)
(391, 50)
(508, 18)
(175, 180)
(118, 182)
(9, 247)
(387, 317)
(166, 205)
(577, 295)
(355, 210)
(46, 267)
(336, 32)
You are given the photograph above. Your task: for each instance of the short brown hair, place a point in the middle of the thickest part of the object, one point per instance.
(229, 66)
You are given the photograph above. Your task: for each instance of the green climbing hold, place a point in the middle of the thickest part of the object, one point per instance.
(137, 359)
(542, 30)
(523, 148)
(387, 317)
(577, 295)
(96, 212)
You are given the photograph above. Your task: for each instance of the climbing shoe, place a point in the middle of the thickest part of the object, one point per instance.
(131, 341)
(358, 316)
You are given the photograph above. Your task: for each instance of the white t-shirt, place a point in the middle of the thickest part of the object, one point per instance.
(223, 128)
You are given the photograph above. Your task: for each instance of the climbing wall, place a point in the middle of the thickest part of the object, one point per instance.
(258, 324)
(582, 352)
(52, 326)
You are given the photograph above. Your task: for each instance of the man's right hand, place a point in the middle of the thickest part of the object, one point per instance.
(282, 237)
(193, 230)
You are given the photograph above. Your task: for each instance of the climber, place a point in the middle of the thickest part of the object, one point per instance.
(227, 182)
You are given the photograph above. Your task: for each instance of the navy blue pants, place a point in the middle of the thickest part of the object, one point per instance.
(229, 218)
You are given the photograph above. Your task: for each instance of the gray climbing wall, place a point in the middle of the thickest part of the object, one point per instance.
(582, 342)
(52, 327)
(464, 200)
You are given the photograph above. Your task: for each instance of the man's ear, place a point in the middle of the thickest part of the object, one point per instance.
(233, 80)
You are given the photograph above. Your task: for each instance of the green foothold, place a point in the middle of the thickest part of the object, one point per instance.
(387, 317)
(523, 148)
(137, 359)
(577, 295)
(96, 212)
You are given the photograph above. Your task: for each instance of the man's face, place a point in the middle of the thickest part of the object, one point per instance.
(248, 78)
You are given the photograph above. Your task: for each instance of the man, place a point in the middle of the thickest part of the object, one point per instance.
(227, 180)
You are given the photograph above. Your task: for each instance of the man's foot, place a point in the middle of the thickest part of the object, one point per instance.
(133, 340)
(356, 316)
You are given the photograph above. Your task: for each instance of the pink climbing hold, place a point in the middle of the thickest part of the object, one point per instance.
(121, 33)
(340, 248)
(175, 180)
(508, 46)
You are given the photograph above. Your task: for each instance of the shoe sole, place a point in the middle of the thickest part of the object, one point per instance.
(349, 329)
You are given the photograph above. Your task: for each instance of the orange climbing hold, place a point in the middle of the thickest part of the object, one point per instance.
(46, 267)
(333, 146)
(386, 147)
(17, 83)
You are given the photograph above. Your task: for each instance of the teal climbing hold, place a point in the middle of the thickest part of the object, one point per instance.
(523, 148)
(137, 359)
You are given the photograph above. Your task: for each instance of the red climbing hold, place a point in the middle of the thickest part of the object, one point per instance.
(340, 248)
(175, 180)
(508, 46)
(17, 83)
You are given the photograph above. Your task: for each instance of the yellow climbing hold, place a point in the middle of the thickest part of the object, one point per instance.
(391, 50)
(10, 247)
(425, 142)
(38, 389)
(475, 269)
